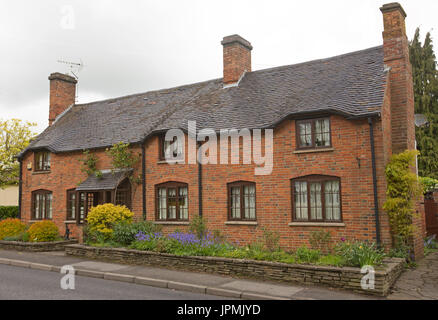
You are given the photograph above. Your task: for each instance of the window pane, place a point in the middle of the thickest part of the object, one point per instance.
(43, 206)
(167, 149)
(322, 133)
(183, 204)
(82, 206)
(49, 206)
(300, 200)
(47, 161)
(171, 203)
(37, 206)
(332, 201)
(72, 206)
(315, 201)
(235, 202)
(305, 132)
(249, 201)
(162, 204)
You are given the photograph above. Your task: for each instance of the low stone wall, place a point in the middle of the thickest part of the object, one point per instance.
(36, 246)
(344, 278)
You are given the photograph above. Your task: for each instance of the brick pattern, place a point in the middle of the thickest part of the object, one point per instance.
(396, 56)
(66, 174)
(345, 278)
(237, 60)
(62, 94)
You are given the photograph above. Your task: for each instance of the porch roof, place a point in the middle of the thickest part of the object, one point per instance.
(109, 181)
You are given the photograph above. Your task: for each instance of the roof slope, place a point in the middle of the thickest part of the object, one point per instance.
(351, 84)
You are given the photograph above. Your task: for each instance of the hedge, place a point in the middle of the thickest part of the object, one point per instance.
(8, 212)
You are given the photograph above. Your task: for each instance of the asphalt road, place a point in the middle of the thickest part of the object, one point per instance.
(18, 283)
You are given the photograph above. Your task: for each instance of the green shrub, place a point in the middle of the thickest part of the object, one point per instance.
(271, 240)
(307, 255)
(400, 250)
(331, 260)
(43, 231)
(124, 232)
(8, 212)
(402, 189)
(198, 226)
(11, 227)
(359, 254)
(104, 217)
(320, 240)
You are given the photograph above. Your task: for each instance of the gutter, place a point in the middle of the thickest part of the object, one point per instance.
(200, 185)
(376, 202)
(20, 187)
(143, 178)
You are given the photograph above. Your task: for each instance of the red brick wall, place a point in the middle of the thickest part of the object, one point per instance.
(396, 56)
(66, 174)
(273, 193)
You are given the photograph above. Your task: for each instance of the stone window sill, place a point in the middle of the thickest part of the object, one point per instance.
(316, 224)
(41, 172)
(314, 150)
(242, 223)
(70, 221)
(173, 223)
(33, 221)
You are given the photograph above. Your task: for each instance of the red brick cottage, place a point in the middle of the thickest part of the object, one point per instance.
(335, 124)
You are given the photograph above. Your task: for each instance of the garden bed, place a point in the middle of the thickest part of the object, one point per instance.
(36, 246)
(337, 277)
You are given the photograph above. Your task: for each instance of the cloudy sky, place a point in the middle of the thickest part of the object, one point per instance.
(135, 46)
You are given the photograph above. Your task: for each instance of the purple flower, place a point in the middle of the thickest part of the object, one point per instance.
(343, 239)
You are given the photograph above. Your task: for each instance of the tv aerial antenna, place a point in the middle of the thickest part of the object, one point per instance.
(75, 68)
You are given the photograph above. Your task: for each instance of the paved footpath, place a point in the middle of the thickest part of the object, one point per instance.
(420, 283)
(173, 279)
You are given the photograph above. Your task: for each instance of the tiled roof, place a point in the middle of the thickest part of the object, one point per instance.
(350, 85)
(108, 181)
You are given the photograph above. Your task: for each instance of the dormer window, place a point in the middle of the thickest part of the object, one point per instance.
(42, 161)
(313, 133)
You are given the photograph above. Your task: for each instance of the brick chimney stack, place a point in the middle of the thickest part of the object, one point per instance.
(396, 56)
(237, 58)
(62, 94)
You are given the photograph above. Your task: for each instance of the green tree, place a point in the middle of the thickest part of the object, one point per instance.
(15, 135)
(425, 77)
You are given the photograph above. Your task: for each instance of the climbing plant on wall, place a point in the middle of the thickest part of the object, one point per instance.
(402, 189)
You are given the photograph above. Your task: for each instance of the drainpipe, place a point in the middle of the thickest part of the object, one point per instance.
(143, 177)
(376, 202)
(20, 183)
(199, 184)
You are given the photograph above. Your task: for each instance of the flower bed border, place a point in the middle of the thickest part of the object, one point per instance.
(336, 277)
(36, 246)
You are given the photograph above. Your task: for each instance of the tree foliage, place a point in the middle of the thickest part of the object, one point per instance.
(425, 77)
(15, 135)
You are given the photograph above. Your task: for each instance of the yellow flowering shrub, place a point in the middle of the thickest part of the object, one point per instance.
(43, 231)
(11, 227)
(104, 217)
